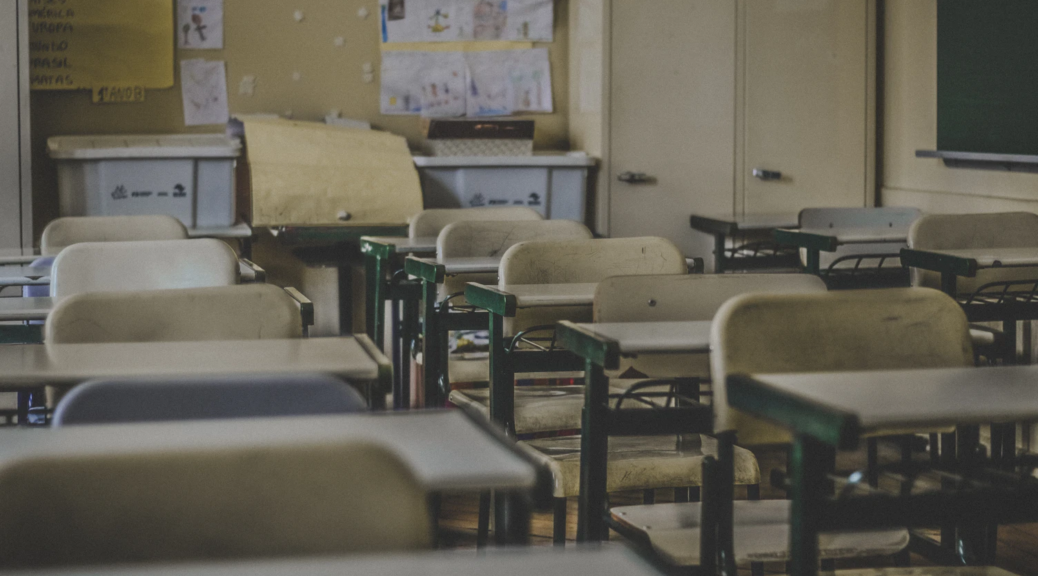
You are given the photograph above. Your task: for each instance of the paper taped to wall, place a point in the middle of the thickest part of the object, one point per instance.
(200, 24)
(451, 20)
(449, 84)
(309, 173)
(87, 44)
(203, 84)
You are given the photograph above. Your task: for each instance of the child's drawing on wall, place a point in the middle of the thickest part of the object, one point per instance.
(201, 24)
(489, 19)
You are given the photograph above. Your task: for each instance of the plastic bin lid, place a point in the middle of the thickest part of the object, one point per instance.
(143, 146)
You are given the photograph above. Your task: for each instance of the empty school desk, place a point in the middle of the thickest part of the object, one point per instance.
(542, 562)
(827, 411)
(475, 459)
(506, 362)
(66, 365)
(601, 346)
(858, 242)
(437, 322)
(338, 246)
(754, 256)
(1007, 302)
(381, 254)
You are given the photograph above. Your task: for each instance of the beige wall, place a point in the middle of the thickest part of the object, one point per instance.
(910, 123)
(263, 39)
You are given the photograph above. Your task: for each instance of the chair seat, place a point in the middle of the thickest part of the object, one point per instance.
(468, 368)
(537, 408)
(761, 533)
(927, 571)
(640, 462)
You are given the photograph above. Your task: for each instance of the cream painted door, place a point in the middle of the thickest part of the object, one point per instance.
(807, 105)
(14, 125)
(672, 115)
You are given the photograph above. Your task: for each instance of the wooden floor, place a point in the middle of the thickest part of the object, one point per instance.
(1017, 544)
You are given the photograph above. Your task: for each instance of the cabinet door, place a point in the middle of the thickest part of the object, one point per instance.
(807, 115)
(672, 116)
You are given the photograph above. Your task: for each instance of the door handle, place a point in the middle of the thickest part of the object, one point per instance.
(634, 178)
(767, 175)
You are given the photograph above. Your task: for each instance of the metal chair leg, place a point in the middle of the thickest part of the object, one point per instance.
(483, 524)
(559, 523)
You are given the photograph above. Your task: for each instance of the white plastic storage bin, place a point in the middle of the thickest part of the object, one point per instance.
(554, 184)
(190, 177)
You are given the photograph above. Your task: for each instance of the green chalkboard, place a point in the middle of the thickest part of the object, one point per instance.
(987, 76)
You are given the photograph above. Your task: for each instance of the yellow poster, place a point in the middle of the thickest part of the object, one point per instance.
(101, 44)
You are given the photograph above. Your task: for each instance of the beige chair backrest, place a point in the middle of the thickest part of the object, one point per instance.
(64, 232)
(578, 262)
(895, 218)
(214, 505)
(482, 239)
(838, 331)
(688, 298)
(246, 312)
(428, 223)
(137, 266)
(964, 231)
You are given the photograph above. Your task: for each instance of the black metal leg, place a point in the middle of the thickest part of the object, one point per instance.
(681, 495)
(430, 346)
(483, 523)
(872, 461)
(808, 486)
(502, 379)
(345, 300)
(708, 519)
(410, 332)
(511, 519)
(949, 283)
(720, 262)
(648, 497)
(1009, 330)
(753, 492)
(559, 523)
(693, 493)
(726, 502)
(594, 454)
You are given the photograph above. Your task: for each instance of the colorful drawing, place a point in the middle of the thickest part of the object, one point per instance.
(437, 27)
(201, 24)
(489, 19)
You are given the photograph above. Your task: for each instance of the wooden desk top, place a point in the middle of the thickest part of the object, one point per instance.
(70, 364)
(839, 407)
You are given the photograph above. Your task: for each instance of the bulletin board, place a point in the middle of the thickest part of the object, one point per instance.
(116, 48)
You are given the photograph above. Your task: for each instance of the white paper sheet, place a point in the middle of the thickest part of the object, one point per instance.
(427, 83)
(509, 81)
(454, 20)
(200, 24)
(445, 84)
(204, 87)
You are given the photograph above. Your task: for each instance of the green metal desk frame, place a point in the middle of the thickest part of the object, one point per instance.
(814, 244)
(383, 264)
(721, 230)
(436, 324)
(335, 244)
(599, 421)
(951, 268)
(818, 431)
(505, 363)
